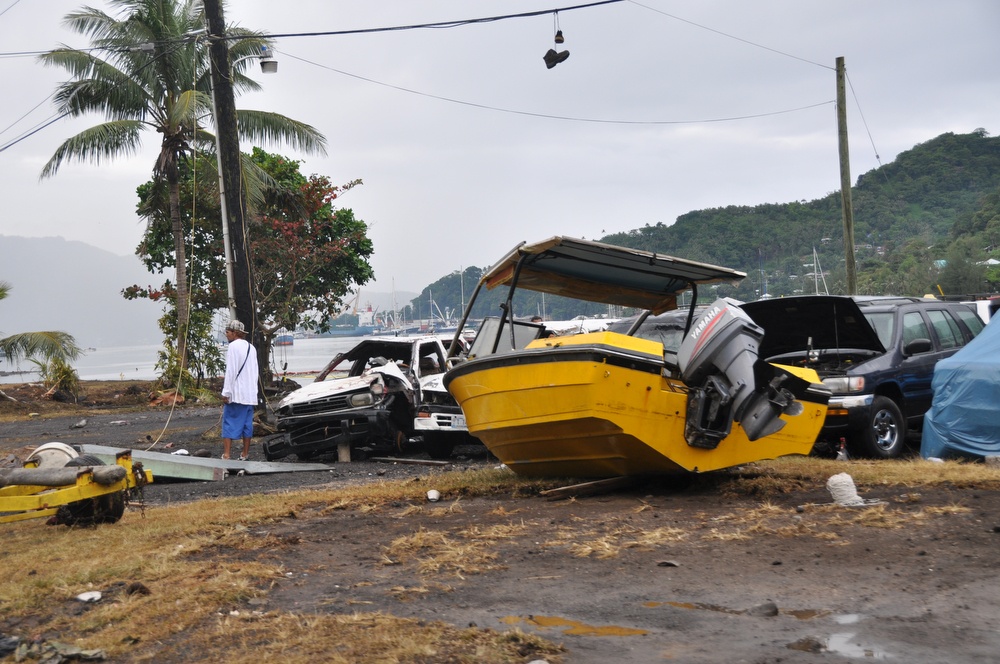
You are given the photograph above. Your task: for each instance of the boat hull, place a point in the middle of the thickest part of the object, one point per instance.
(599, 405)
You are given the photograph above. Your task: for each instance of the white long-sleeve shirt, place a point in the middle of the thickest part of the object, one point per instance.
(242, 388)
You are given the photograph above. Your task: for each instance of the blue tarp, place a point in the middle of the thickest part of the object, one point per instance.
(964, 419)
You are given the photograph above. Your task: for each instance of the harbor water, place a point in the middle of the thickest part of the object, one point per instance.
(139, 362)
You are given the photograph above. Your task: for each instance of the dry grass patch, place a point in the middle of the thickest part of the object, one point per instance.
(293, 638)
(461, 554)
(200, 561)
(776, 476)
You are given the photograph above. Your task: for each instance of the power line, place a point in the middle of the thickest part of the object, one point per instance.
(552, 116)
(865, 123)
(35, 131)
(9, 7)
(436, 25)
(331, 33)
(729, 36)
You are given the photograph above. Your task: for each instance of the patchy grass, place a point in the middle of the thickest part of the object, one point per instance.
(200, 565)
(780, 475)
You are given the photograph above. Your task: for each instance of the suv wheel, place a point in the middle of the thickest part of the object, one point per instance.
(885, 435)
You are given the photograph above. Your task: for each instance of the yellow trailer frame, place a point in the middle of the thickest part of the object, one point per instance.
(31, 501)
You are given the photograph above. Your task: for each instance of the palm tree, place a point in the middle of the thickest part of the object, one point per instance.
(155, 77)
(30, 344)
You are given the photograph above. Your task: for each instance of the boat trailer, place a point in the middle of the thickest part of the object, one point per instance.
(72, 494)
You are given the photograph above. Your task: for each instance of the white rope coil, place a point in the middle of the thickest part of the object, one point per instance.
(841, 487)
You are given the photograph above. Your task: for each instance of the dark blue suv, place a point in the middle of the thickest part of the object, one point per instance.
(876, 354)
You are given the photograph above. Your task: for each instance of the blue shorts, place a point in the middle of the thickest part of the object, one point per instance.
(237, 420)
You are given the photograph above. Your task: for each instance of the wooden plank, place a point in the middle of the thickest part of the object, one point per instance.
(590, 488)
(414, 462)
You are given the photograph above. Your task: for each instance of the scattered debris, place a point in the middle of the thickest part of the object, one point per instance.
(433, 495)
(766, 609)
(53, 651)
(89, 597)
(79, 425)
(166, 398)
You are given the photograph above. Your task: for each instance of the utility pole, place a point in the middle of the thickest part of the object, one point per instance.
(229, 161)
(231, 178)
(845, 181)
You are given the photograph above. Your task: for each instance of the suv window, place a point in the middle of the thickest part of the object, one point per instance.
(914, 327)
(947, 330)
(884, 324)
(971, 320)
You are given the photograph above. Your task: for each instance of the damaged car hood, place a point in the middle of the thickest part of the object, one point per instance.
(793, 324)
(325, 388)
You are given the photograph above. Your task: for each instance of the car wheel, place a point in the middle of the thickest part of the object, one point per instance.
(438, 446)
(884, 436)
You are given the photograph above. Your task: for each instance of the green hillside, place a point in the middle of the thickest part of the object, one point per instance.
(922, 222)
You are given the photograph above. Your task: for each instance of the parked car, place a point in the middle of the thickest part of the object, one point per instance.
(876, 354)
(369, 396)
(962, 421)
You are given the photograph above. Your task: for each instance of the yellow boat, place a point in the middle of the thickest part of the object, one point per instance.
(608, 404)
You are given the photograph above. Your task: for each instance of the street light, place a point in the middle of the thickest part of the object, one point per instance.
(268, 65)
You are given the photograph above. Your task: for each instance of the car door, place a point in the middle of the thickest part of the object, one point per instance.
(917, 370)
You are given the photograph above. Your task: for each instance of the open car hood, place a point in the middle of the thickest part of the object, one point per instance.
(830, 321)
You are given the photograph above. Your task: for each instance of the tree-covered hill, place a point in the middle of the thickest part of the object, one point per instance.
(922, 224)
(904, 216)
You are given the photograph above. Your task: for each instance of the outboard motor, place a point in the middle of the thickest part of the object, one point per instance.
(719, 362)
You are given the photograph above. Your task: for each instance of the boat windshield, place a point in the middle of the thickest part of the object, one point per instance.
(524, 333)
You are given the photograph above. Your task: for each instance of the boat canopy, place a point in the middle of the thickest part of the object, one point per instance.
(598, 272)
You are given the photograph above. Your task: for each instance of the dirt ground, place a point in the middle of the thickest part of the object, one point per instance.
(654, 573)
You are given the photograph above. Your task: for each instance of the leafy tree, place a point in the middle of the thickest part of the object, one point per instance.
(962, 274)
(155, 77)
(307, 253)
(59, 346)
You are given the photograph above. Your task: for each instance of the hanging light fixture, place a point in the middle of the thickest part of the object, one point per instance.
(268, 64)
(553, 57)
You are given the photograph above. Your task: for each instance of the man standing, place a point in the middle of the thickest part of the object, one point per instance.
(239, 390)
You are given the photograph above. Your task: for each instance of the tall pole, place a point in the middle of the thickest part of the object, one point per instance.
(234, 206)
(845, 180)
(229, 161)
(227, 246)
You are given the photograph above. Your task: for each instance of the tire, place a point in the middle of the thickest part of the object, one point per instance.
(107, 508)
(438, 446)
(884, 436)
(84, 460)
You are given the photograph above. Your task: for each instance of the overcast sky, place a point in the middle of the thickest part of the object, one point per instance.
(467, 144)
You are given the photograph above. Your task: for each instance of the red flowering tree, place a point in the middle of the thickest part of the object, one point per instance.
(307, 253)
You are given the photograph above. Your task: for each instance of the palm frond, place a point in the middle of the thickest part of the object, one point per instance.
(276, 128)
(44, 344)
(104, 141)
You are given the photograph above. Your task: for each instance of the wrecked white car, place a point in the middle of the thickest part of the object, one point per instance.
(368, 397)
(439, 420)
